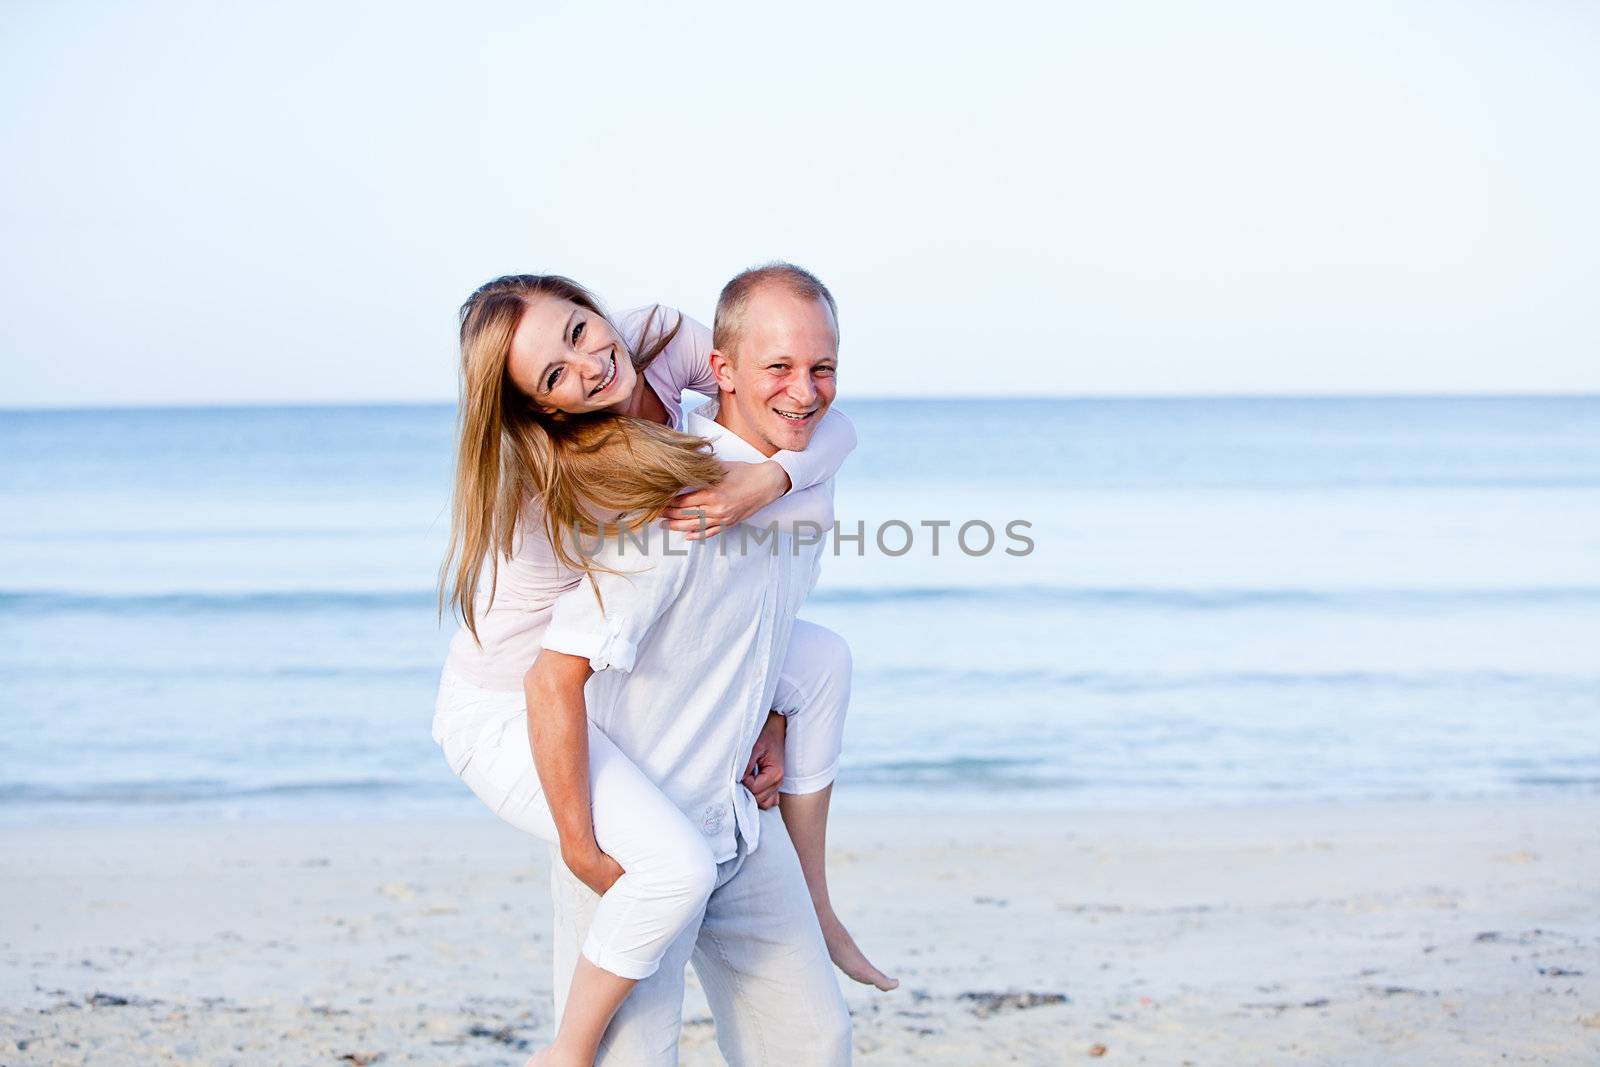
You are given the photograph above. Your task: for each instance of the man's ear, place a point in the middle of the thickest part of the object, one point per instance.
(722, 370)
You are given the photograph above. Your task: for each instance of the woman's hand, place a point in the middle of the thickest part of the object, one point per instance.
(592, 867)
(745, 489)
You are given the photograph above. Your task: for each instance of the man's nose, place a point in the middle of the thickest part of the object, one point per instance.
(802, 391)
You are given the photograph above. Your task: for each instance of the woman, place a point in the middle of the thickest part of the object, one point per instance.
(542, 453)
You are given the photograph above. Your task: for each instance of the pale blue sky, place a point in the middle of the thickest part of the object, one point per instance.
(286, 202)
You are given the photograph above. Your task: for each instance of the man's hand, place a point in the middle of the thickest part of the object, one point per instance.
(764, 773)
(745, 489)
(592, 867)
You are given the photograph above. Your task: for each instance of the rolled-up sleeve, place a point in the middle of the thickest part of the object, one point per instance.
(793, 512)
(607, 629)
(604, 646)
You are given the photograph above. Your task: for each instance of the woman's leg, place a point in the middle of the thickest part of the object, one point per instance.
(814, 694)
(668, 868)
(594, 998)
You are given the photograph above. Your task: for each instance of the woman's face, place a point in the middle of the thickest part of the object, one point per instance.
(567, 358)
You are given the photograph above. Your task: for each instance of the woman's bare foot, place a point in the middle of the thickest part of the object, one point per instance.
(848, 957)
(548, 1057)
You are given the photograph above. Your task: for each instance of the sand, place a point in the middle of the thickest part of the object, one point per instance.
(1427, 933)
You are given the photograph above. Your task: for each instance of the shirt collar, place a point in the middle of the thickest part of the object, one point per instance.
(702, 422)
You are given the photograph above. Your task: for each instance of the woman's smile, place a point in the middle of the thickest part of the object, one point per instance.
(611, 375)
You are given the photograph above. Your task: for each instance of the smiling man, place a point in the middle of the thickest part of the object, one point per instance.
(677, 662)
(774, 351)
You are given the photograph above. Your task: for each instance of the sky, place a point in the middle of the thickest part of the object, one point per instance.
(281, 203)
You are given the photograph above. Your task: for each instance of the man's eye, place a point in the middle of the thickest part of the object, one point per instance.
(826, 372)
(577, 332)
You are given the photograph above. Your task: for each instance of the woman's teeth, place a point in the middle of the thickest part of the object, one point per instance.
(611, 375)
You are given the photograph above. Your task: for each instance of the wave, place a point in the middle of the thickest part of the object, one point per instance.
(1046, 680)
(180, 602)
(1189, 599)
(1560, 781)
(931, 776)
(187, 673)
(192, 790)
(240, 533)
(223, 603)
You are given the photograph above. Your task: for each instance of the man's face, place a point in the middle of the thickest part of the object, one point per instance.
(779, 379)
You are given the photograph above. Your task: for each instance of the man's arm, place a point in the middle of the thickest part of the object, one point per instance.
(592, 628)
(558, 731)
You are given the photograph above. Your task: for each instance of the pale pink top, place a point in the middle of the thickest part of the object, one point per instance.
(512, 627)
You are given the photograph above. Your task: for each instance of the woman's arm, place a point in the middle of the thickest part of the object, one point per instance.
(558, 731)
(686, 361)
(830, 446)
(758, 493)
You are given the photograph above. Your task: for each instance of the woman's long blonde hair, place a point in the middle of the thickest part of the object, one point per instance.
(577, 466)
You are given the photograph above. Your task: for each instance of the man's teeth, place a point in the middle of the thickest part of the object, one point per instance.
(793, 416)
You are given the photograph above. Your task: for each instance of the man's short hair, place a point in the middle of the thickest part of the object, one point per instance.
(731, 305)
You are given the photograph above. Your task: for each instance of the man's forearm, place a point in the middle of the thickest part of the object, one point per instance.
(558, 731)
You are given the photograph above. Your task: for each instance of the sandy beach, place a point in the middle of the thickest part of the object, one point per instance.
(1451, 933)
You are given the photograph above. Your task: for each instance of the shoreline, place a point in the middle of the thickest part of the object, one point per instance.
(453, 805)
(1438, 931)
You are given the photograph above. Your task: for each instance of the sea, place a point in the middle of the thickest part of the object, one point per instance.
(231, 613)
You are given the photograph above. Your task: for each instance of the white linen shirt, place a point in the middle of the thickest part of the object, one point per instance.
(686, 652)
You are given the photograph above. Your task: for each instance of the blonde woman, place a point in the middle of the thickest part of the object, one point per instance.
(566, 415)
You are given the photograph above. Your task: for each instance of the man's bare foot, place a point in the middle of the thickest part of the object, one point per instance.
(546, 1057)
(849, 958)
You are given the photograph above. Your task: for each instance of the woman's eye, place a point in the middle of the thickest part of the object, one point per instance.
(577, 332)
(550, 382)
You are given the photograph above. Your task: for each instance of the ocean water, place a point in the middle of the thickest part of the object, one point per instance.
(230, 613)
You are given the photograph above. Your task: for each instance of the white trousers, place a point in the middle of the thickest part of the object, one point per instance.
(669, 868)
(760, 957)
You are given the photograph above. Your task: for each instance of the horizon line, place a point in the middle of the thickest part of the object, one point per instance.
(294, 405)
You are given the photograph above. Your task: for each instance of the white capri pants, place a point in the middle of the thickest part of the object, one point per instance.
(759, 953)
(669, 871)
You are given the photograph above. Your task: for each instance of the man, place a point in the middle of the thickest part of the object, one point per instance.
(676, 660)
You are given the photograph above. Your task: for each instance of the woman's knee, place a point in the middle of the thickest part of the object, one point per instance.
(685, 872)
(831, 693)
(831, 653)
(820, 674)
